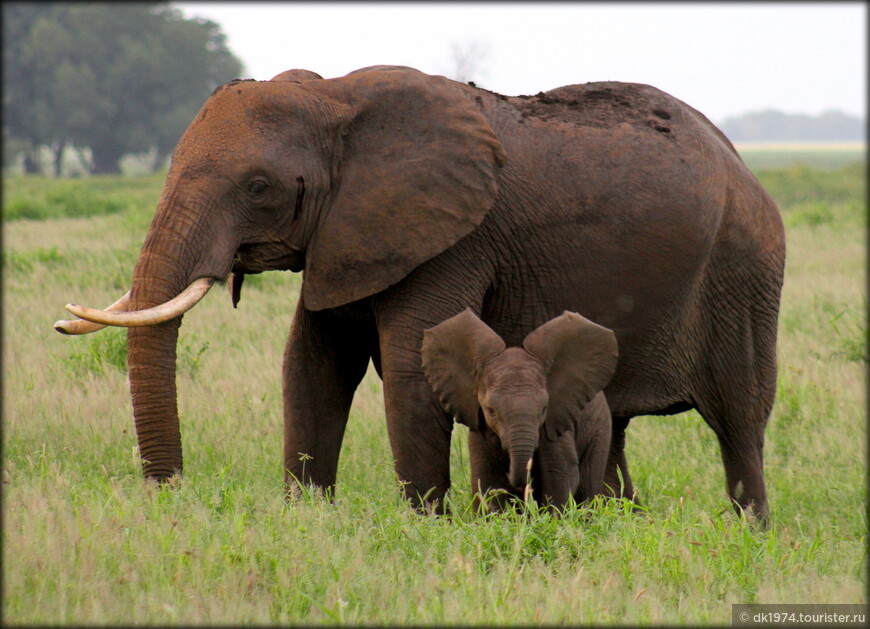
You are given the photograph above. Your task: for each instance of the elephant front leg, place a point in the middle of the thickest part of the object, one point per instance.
(324, 361)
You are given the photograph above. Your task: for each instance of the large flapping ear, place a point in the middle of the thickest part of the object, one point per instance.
(417, 172)
(581, 356)
(453, 352)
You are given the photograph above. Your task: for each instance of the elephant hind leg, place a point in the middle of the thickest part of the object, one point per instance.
(737, 404)
(744, 476)
(617, 480)
(738, 363)
(740, 431)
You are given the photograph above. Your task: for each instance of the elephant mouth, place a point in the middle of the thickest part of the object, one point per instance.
(256, 258)
(252, 259)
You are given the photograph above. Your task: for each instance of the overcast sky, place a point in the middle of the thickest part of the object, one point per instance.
(724, 59)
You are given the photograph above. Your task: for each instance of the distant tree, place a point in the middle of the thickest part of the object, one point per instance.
(117, 78)
(835, 125)
(468, 61)
(24, 115)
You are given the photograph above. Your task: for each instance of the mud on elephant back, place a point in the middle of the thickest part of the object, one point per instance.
(407, 198)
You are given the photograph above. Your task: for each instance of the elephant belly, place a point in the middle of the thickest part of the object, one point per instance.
(646, 298)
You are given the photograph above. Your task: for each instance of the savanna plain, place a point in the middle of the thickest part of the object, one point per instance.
(86, 541)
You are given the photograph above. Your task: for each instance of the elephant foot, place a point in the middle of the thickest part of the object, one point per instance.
(431, 502)
(497, 500)
(744, 477)
(169, 481)
(296, 490)
(617, 480)
(757, 515)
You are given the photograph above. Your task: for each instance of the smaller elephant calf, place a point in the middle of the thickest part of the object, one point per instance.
(537, 413)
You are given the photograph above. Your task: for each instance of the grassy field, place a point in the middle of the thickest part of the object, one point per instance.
(824, 155)
(86, 542)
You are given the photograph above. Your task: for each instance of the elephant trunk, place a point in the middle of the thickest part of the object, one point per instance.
(151, 354)
(170, 256)
(521, 447)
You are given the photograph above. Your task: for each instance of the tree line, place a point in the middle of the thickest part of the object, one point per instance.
(111, 79)
(776, 125)
(105, 79)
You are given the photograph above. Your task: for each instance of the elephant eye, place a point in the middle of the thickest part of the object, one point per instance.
(490, 411)
(258, 185)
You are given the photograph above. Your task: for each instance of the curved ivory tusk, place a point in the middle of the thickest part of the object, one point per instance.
(158, 314)
(80, 326)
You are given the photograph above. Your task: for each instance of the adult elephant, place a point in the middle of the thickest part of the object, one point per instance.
(406, 198)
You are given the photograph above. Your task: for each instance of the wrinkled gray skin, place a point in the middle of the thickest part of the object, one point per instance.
(407, 198)
(514, 396)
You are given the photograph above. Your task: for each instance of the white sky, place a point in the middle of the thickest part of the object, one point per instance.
(724, 59)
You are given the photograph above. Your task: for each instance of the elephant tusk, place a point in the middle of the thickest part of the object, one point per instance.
(81, 326)
(152, 316)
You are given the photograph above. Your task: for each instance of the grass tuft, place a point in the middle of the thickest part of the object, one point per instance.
(850, 326)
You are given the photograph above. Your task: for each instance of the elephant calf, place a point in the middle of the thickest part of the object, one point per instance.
(537, 412)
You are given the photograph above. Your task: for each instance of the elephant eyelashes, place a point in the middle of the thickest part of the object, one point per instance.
(300, 194)
(257, 186)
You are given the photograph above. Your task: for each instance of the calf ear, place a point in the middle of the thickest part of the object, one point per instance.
(454, 352)
(580, 357)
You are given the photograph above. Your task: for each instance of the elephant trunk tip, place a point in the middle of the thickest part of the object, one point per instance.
(521, 474)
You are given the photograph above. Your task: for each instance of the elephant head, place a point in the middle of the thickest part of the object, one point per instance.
(355, 181)
(518, 393)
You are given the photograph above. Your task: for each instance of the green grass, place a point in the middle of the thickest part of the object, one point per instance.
(823, 156)
(815, 197)
(97, 353)
(86, 541)
(41, 198)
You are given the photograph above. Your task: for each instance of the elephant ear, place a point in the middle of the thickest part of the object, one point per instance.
(453, 352)
(417, 172)
(581, 358)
